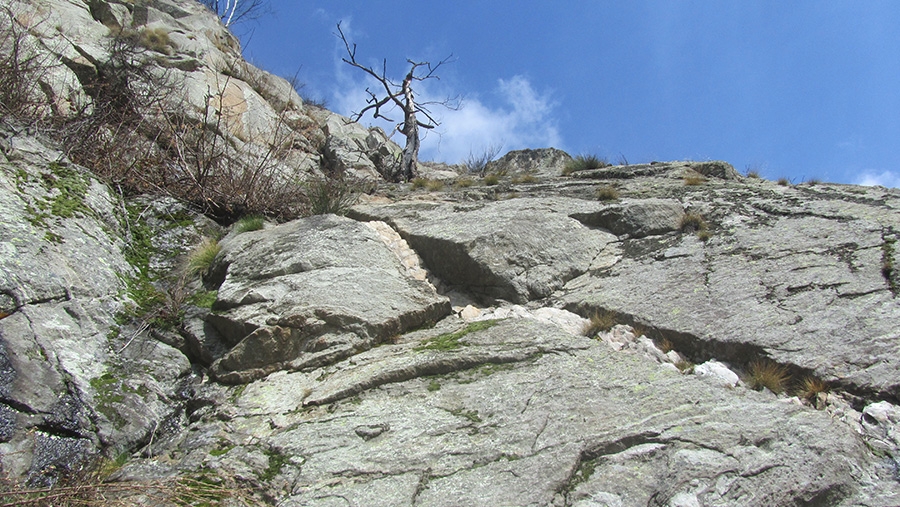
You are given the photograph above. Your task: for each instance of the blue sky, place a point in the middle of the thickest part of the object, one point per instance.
(800, 89)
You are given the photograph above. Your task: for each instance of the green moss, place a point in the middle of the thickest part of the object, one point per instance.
(71, 187)
(450, 341)
(434, 385)
(471, 415)
(204, 299)
(277, 460)
(222, 449)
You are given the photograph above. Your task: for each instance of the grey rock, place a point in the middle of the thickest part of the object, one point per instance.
(517, 250)
(309, 292)
(543, 162)
(637, 219)
(523, 413)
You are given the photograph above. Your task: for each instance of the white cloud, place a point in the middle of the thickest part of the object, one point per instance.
(519, 117)
(884, 179)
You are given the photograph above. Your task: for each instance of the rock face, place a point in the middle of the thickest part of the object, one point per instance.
(700, 339)
(301, 295)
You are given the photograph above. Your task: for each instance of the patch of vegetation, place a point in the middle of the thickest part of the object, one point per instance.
(277, 460)
(693, 222)
(418, 183)
(450, 341)
(525, 178)
(685, 366)
(784, 182)
(477, 163)
(238, 391)
(333, 195)
(813, 181)
(752, 172)
(601, 320)
(491, 179)
(471, 415)
(887, 265)
(221, 449)
(204, 299)
(434, 385)
(434, 185)
(249, 223)
(810, 387)
(694, 179)
(156, 39)
(767, 374)
(464, 182)
(606, 193)
(201, 258)
(584, 163)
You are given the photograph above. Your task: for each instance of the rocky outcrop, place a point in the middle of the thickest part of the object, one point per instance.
(310, 292)
(522, 343)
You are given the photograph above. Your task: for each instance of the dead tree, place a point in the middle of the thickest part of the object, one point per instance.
(400, 95)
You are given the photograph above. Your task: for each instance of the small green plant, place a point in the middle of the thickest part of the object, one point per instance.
(277, 460)
(434, 385)
(607, 193)
(418, 183)
(584, 163)
(693, 222)
(471, 415)
(202, 256)
(767, 374)
(601, 320)
(434, 185)
(249, 223)
(204, 299)
(491, 179)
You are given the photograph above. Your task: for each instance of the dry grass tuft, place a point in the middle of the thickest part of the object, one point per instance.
(767, 374)
(607, 193)
(693, 222)
(810, 387)
(602, 320)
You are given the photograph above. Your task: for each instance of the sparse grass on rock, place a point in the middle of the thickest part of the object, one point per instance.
(450, 341)
(491, 179)
(606, 193)
(249, 223)
(810, 387)
(767, 374)
(693, 222)
(584, 163)
(601, 320)
(202, 256)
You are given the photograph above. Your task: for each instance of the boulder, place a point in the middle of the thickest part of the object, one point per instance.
(310, 292)
(517, 250)
(541, 163)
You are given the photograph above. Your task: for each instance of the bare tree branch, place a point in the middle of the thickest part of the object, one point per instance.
(400, 95)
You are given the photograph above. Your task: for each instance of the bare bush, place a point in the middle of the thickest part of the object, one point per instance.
(477, 163)
(23, 66)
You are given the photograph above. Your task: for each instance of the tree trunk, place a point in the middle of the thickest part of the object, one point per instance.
(409, 164)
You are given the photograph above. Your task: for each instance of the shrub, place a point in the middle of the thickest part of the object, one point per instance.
(434, 185)
(477, 164)
(418, 183)
(752, 172)
(491, 179)
(332, 195)
(813, 181)
(693, 222)
(525, 178)
(249, 223)
(767, 374)
(156, 39)
(584, 163)
(602, 320)
(607, 193)
(22, 66)
(784, 182)
(201, 257)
